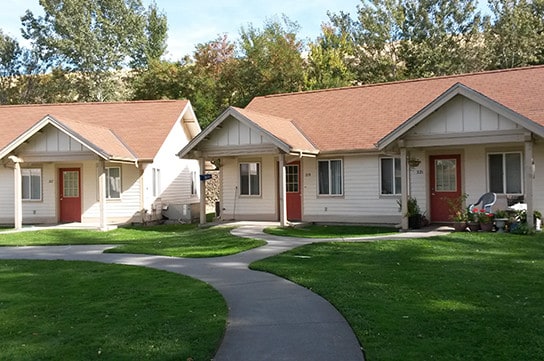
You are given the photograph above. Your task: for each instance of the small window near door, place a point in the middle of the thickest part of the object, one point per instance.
(291, 175)
(31, 184)
(113, 183)
(505, 173)
(250, 179)
(194, 182)
(390, 176)
(156, 182)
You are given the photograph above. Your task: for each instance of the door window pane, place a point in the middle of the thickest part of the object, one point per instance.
(70, 188)
(291, 175)
(445, 175)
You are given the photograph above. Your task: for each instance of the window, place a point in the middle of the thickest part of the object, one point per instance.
(194, 182)
(250, 182)
(291, 176)
(113, 183)
(31, 184)
(330, 177)
(391, 177)
(156, 182)
(505, 173)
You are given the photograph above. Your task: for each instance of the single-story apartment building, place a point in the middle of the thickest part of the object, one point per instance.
(354, 154)
(95, 163)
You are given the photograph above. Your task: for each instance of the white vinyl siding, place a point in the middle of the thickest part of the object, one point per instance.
(505, 173)
(390, 176)
(31, 184)
(330, 177)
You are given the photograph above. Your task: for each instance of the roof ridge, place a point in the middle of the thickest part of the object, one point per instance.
(405, 81)
(41, 105)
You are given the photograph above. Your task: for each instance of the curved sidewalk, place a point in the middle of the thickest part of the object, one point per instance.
(269, 318)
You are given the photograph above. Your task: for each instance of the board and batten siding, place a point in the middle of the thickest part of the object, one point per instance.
(462, 115)
(51, 140)
(361, 201)
(234, 133)
(235, 206)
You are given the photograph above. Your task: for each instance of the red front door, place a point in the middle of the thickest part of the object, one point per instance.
(70, 195)
(445, 184)
(292, 176)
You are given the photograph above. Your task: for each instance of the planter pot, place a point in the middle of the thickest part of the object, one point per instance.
(414, 222)
(500, 223)
(460, 226)
(486, 227)
(473, 226)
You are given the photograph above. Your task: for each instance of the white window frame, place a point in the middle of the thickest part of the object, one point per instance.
(194, 183)
(26, 176)
(393, 181)
(259, 174)
(109, 183)
(156, 181)
(330, 176)
(504, 175)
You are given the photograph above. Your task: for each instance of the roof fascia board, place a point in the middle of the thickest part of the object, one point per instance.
(454, 90)
(230, 111)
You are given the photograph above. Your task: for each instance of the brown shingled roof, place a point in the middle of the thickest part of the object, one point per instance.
(121, 129)
(356, 118)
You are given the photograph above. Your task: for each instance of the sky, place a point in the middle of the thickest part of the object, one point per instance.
(192, 22)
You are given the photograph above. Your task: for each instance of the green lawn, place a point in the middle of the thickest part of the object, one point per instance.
(329, 231)
(59, 310)
(169, 240)
(456, 297)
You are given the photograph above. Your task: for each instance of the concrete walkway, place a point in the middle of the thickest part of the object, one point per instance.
(269, 318)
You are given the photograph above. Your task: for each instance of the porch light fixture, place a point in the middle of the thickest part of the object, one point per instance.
(413, 162)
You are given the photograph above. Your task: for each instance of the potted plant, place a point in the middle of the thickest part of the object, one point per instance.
(486, 220)
(473, 222)
(501, 217)
(413, 213)
(457, 211)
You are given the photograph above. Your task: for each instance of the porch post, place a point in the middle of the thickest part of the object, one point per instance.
(282, 180)
(404, 187)
(529, 180)
(102, 194)
(202, 192)
(18, 194)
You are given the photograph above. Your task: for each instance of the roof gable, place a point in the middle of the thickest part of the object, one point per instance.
(255, 128)
(125, 130)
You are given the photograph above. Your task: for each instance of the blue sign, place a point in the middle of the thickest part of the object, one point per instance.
(205, 177)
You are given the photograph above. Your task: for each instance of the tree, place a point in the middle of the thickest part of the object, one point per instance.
(327, 60)
(153, 44)
(397, 39)
(516, 35)
(93, 38)
(10, 67)
(441, 37)
(270, 60)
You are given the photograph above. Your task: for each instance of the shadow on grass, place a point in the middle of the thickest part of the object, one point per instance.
(461, 296)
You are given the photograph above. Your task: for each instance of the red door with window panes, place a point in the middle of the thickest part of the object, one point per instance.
(293, 195)
(445, 173)
(70, 195)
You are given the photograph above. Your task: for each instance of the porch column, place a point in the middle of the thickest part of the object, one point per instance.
(282, 180)
(18, 193)
(528, 177)
(102, 195)
(202, 192)
(404, 187)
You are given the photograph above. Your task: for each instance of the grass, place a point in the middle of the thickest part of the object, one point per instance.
(169, 240)
(59, 310)
(455, 297)
(329, 231)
